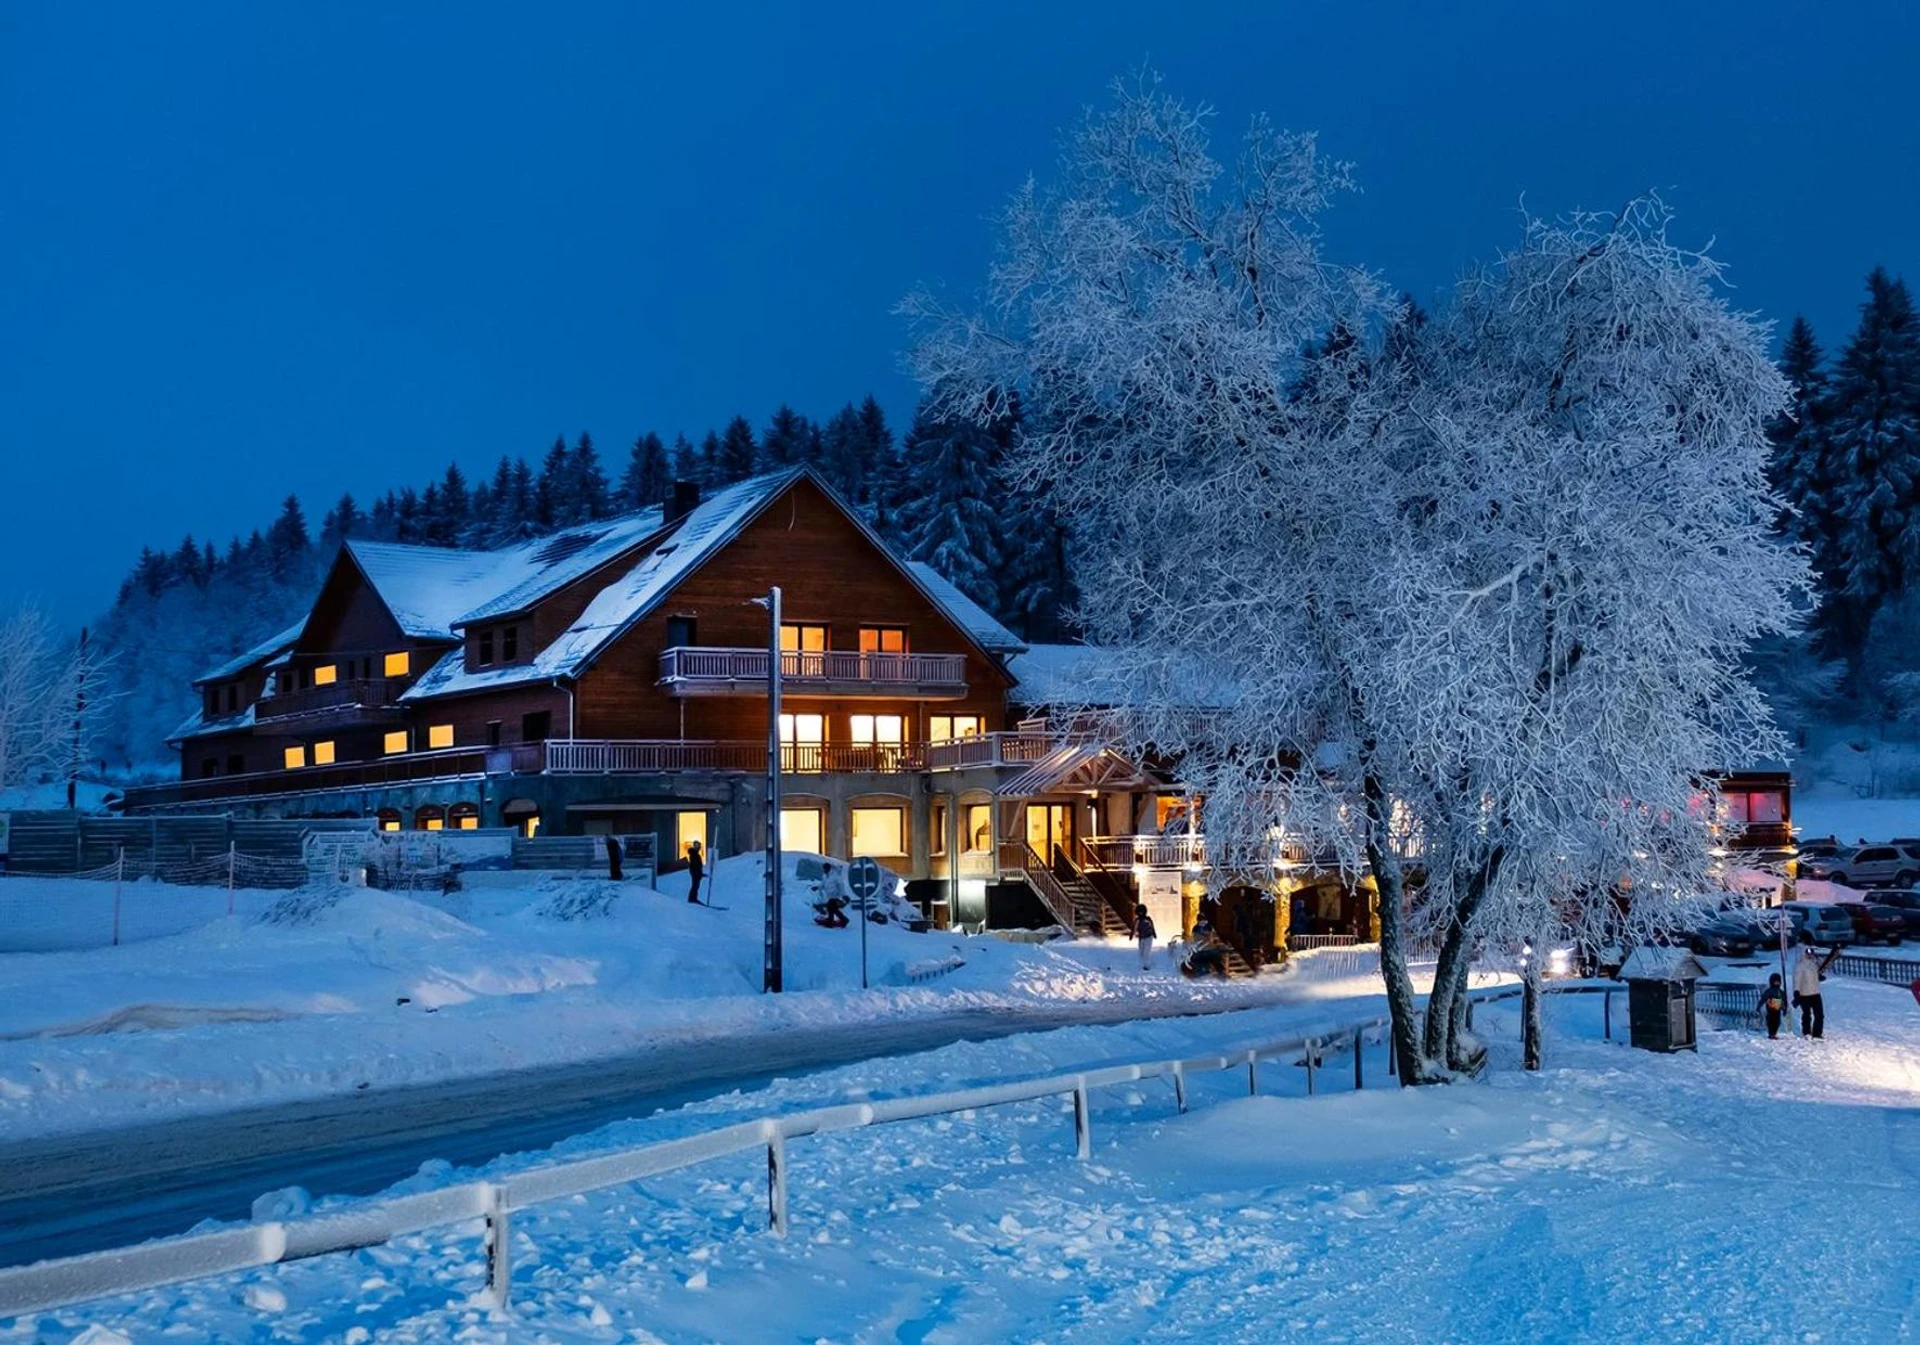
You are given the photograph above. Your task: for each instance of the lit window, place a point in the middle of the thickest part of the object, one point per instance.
(468, 822)
(692, 827)
(533, 826)
(801, 829)
(483, 654)
(326, 674)
(979, 834)
(883, 640)
(398, 665)
(878, 730)
(435, 824)
(389, 824)
(803, 737)
(323, 753)
(440, 735)
(394, 742)
(942, 728)
(296, 758)
(879, 831)
(807, 639)
(939, 838)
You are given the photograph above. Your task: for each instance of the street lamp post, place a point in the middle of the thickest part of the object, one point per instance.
(773, 956)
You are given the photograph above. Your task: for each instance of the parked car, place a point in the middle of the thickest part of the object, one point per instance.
(1762, 923)
(1868, 866)
(1722, 937)
(1873, 923)
(1819, 922)
(1902, 899)
(1819, 847)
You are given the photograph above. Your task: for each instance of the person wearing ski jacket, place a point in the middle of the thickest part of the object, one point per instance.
(696, 870)
(1144, 931)
(1806, 994)
(1773, 1002)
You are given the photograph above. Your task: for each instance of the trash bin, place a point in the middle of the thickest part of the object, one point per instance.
(1660, 1005)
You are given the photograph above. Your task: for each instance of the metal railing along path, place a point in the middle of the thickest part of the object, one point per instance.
(58, 1283)
(1886, 970)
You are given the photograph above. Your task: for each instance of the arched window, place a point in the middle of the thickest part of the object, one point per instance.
(429, 817)
(463, 817)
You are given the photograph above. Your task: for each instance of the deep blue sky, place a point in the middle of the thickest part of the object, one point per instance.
(251, 248)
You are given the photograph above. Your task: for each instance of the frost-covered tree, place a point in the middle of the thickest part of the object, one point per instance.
(1478, 593)
(1874, 424)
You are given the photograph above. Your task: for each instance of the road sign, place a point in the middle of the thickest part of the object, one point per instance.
(863, 880)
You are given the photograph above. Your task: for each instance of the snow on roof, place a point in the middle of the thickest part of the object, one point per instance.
(260, 653)
(709, 527)
(1649, 962)
(1084, 674)
(427, 588)
(197, 725)
(533, 570)
(964, 612)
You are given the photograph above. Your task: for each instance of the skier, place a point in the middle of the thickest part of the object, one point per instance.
(613, 859)
(1144, 931)
(696, 870)
(1806, 995)
(1774, 1001)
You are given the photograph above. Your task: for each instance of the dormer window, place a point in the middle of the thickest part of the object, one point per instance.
(510, 644)
(233, 698)
(483, 655)
(398, 665)
(326, 674)
(213, 702)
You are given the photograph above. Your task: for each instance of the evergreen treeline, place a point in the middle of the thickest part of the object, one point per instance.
(940, 495)
(1847, 461)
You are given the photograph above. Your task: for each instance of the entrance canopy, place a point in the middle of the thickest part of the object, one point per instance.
(1076, 766)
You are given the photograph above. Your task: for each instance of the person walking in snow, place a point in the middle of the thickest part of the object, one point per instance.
(1144, 931)
(1773, 1001)
(1806, 994)
(696, 870)
(613, 859)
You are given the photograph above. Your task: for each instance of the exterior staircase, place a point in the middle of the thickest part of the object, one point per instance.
(1091, 910)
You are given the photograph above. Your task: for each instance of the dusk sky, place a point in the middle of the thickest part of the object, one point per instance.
(247, 249)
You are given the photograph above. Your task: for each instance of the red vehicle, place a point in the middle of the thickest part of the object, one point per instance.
(1874, 923)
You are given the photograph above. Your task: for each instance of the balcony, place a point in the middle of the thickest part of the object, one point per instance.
(642, 757)
(370, 698)
(829, 672)
(990, 749)
(458, 763)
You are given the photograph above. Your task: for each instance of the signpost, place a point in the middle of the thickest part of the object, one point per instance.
(863, 880)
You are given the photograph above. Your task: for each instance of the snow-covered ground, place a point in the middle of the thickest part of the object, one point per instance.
(1755, 1191)
(328, 991)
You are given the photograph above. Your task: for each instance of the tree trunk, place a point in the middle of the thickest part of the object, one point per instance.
(1402, 1005)
(1450, 971)
(1530, 1012)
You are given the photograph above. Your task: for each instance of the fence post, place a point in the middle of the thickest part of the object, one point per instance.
(1253, 1074)
(777, 1184)
(231, 857)
(119, 872)
(1312, 1047)
(1393, 1054)
(499, 1236)
(1082, 1122)
(1180, 1087)
(1359, 1065)
(1606, 1014)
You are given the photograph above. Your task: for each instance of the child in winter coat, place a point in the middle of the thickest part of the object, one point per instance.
(1774, 1001)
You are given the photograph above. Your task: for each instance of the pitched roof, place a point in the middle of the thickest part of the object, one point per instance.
(965, 613)
(260, 653)
(197, 725)
(703, 532)
(427, 587)
(538, 568)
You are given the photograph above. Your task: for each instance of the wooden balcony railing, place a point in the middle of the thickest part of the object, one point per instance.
(990, 749)
(1123, 853)
(615, 757)
(376, 693)
(458, 763)
(700, 671)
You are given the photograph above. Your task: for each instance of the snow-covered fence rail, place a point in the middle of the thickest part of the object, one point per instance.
(1886, 970)
(51, 1284)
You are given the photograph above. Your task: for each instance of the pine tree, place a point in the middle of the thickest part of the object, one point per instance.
(406, 516)
(785, 440)
(949, 514)
(1875, 428)
(455, 506)
(880, 466)
(686, 459)
(645, 483)
(522, 502)
(586, 484)
(287, 540)
(344, 520)
(738, 452)
(712, 470)
(550, 503)
(1802, 468)
(842, 459)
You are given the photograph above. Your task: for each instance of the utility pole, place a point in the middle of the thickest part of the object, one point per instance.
(79, 718)
(772, 949)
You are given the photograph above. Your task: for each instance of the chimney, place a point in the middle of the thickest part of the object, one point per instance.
(684, 500)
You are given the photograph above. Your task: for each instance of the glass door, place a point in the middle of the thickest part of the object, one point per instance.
(1049, 829)
(802, 743)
